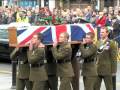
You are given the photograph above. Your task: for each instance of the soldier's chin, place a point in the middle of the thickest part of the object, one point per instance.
(61, 41)
(34, 43)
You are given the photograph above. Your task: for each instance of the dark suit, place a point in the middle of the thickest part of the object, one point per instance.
(23, 69)
(38, 73)
(64, 67)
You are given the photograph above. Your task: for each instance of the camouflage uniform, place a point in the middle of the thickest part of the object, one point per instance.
(89, 68)
(38, 72)
(23, 69)
(62, 54)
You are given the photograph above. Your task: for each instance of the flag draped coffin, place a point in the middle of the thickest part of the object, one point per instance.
(51, 33)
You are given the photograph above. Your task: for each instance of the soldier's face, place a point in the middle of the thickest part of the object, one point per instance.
(88, 39)
(103, 33)
(62, 38)
(35, 39)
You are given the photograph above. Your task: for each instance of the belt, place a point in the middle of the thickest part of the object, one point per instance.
(88, 60)
(37, 65)
(62, 61)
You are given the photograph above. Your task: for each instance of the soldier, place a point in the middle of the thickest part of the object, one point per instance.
(62, 53)
(36, 56)
(76, 66)
(114, 34)
(23, 68)
(89, 69)
(107, 55)
(51, 69)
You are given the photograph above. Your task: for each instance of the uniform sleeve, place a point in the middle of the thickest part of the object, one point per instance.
(14, 54)
(36, 56)
(61, 54)
(114, 52)
(88, 52)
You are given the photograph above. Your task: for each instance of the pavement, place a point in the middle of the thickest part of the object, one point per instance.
(6, 78)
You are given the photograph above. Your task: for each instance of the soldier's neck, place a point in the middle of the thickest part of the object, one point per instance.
(104, 39)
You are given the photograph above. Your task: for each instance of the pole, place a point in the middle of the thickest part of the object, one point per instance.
(93, 4)
(68, 4)
(61, 3)
(118, 3)
(14, 63)
(39, 3)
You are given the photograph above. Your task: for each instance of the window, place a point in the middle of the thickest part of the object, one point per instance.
(109, 3)
(73, 1)
(25, 3)
(46, 2)
(88, 1)
(77, 1)
(3, 32)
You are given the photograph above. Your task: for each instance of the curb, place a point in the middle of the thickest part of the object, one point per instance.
(5, 72)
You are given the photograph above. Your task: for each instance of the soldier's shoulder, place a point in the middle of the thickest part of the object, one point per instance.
(67, 45)
(94, 45)
(39, 49)
(113, 42)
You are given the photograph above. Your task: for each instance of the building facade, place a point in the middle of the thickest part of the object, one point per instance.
(96, 4)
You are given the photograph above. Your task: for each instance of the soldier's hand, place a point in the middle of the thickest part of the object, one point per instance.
(41, 45)
(113, 74)
(30, 46)
(17, 48)
(55, 44)
(84, 41)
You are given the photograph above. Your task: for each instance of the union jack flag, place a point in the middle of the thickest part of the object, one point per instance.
(51, 33)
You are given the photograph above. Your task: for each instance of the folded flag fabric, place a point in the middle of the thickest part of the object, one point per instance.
(51, 33)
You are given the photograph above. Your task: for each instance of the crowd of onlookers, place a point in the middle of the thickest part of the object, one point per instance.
(43, 16)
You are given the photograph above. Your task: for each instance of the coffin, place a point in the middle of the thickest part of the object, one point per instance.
(21, 35)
